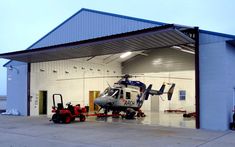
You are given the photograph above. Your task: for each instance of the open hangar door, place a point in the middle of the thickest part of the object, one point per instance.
(53, 68)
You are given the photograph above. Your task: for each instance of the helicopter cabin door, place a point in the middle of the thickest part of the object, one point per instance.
(131, 96)
(92, 96)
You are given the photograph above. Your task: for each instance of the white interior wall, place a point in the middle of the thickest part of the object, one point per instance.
(72, 85)
(187, 83)
(75, 88)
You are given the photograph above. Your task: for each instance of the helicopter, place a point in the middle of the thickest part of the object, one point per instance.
(128, 96)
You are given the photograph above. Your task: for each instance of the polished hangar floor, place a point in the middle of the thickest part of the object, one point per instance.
(155, 119)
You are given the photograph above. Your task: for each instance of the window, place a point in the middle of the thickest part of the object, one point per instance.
(128, 95)
(182, 95)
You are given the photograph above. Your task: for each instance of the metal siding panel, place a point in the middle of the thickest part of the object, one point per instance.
(87, 25)
(17, 87)
(209, 38)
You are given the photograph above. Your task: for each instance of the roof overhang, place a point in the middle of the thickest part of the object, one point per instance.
(157, 37)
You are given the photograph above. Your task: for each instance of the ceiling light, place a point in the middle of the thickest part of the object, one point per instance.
(124, 55)
(187, 51)
(176, 47)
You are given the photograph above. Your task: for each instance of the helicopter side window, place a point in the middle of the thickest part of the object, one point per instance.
(121, 95)
(128, 95)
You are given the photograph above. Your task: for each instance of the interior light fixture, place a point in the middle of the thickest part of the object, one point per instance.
(183, 50)
(42, 70)
(124, 55)
(187, 51)
(176, 47)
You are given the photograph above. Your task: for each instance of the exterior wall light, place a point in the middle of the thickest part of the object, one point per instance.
(42, 70)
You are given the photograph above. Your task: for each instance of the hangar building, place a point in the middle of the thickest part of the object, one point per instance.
(79, 57)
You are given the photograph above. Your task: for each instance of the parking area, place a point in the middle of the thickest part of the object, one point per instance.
(39, 131)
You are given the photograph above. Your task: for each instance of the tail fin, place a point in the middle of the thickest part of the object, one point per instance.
(158, 92)
(170, 91)
(161, 90)
(144, 96)
(147, 92)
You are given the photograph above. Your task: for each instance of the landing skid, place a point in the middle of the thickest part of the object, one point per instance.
(129, 114)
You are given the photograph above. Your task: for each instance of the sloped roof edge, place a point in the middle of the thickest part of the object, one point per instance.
(125, 17)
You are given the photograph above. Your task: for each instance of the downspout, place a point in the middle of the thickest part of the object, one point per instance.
(28, 88)
(197, 77)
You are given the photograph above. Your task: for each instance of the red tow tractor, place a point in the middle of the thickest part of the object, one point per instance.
(66, 115)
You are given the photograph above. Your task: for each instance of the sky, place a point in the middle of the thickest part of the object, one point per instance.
(23, 22)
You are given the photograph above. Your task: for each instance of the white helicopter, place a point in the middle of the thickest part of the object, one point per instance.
(128, 96)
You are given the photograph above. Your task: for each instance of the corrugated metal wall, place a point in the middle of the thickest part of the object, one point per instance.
(88, 25)
(17, 87)
(217, 82)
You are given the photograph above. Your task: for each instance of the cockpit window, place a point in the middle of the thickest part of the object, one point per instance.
(111, 92)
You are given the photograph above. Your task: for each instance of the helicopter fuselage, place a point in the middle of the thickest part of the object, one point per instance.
(119, 98)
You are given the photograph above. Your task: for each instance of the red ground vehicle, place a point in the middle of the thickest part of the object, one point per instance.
(66, 115)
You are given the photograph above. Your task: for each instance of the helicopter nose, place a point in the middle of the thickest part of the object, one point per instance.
(103, 101)
(100, 101)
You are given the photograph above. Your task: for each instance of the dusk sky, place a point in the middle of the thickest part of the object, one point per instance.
(23, 22)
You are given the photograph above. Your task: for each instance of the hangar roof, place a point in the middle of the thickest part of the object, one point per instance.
(89, 24)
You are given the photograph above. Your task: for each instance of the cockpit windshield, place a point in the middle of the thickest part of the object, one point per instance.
(111, 92)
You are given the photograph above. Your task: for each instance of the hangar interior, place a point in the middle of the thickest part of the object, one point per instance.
(77, 79)
(77, 58)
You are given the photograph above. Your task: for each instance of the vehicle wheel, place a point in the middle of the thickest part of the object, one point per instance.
(67, 119)
(130, 114)
(82, 118)
(73, 118)
(142, 114)
(115, 114)
(55, 118)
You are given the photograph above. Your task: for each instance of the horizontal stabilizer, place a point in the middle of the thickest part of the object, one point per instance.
(158, 92)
